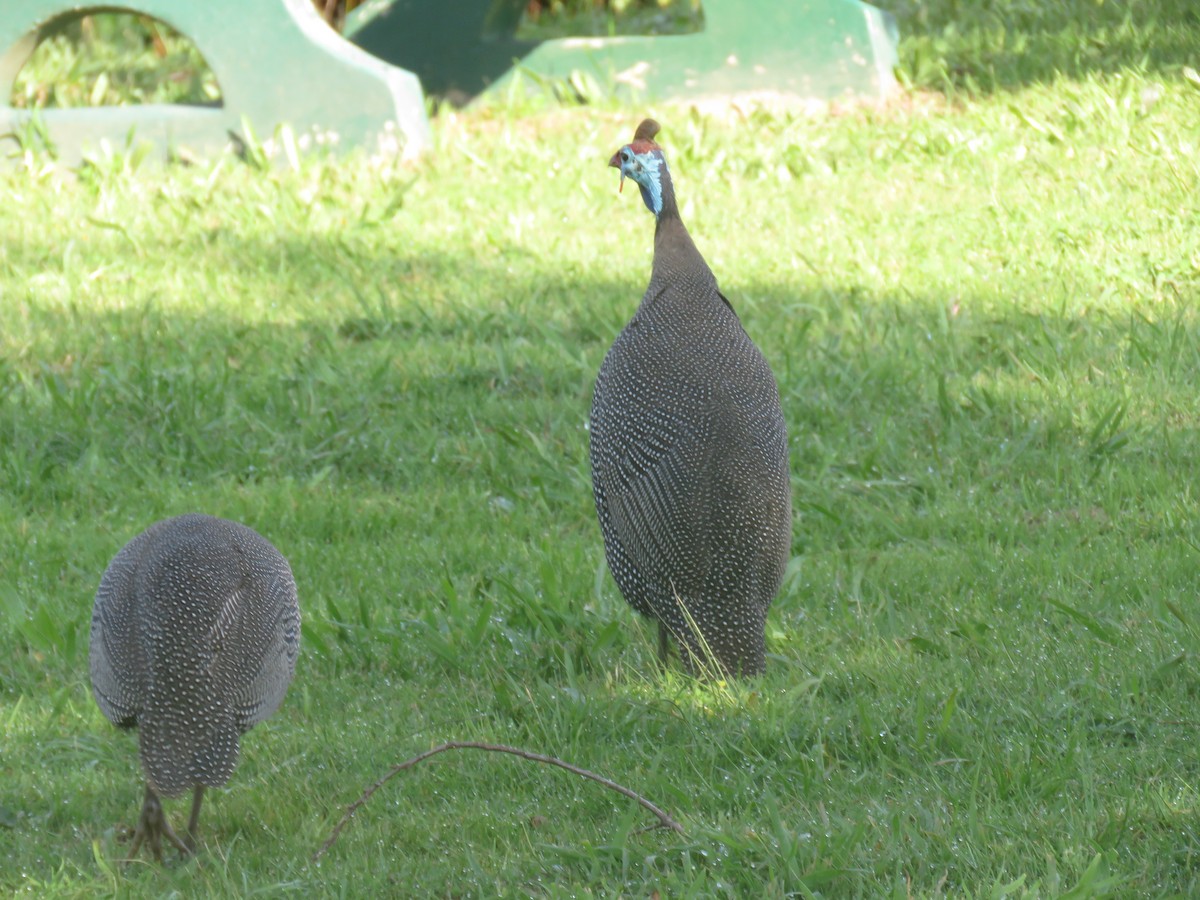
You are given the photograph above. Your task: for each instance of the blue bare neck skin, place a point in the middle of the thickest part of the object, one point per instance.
(649, 170)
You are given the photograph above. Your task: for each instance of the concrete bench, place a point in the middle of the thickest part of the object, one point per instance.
(807, 48)
(275, 62)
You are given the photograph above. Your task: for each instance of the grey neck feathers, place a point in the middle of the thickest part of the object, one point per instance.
(674, 250)
(675, 253)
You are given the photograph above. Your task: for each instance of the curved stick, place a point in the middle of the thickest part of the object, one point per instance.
(664, 820)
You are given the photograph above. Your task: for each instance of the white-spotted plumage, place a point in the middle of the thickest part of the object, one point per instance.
(195, 633)
(689, 450)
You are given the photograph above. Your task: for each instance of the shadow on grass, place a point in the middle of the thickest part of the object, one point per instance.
(371, 443)
(446, 404)
(452, 367)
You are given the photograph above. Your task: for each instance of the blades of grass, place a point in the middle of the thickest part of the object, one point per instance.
(1106, 436)
(1174, 610)
(1104, 632)
(311, 632)
(1095, 882)
(1167, 667)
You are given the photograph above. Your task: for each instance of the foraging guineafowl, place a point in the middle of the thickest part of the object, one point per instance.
(194, 639)
(689, 450)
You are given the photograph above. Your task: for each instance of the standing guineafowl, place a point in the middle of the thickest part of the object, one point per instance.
(194, 639)
(689, 450)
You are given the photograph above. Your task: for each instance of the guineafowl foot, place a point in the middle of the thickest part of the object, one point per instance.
(152, 827)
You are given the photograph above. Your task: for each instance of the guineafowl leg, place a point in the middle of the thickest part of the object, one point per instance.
(194, 818)
(153, 826)
(664, 643)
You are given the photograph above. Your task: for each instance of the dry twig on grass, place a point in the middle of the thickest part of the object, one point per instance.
(664, 820)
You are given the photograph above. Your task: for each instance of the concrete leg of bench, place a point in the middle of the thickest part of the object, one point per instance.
(275, 62)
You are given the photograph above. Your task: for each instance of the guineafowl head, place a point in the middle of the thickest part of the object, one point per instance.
(643, 161)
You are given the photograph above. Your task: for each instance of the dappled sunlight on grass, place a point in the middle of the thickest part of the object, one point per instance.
(108, 60)
(997, 45)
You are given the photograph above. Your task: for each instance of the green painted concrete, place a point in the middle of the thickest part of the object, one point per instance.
(807, 48)
(275, 62)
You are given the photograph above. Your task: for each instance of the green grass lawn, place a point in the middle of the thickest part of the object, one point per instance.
(982, 308)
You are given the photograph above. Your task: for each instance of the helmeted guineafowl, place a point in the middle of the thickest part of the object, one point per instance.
(194, 639)
(689, 450)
